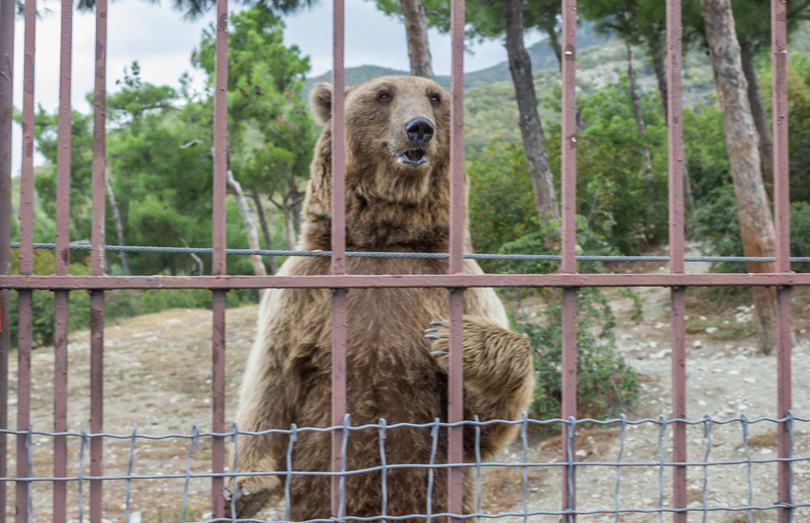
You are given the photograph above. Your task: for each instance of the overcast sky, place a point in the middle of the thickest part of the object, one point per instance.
(162, 41)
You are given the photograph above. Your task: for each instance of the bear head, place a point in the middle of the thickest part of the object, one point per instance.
(397, 158)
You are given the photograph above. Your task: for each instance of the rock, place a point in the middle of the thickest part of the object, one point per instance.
(750, 379)
(582, 453)
(698, 344)
(703, 318)
(711, 330)
(733, 372)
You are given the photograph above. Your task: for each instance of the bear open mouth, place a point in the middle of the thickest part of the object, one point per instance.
(413, 157)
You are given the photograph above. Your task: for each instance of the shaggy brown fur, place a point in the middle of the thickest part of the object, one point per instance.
(392, 373)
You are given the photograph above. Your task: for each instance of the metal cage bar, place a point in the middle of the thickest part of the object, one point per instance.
(350, 281)
(338, 239)
(674, 35)
(6, 107)
(455, 386)
(26, 255)
(97, 259)
(219, 265)
(784, 338)
(61, 297)
(569, 242)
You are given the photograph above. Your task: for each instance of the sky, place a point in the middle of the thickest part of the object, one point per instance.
(162, 41)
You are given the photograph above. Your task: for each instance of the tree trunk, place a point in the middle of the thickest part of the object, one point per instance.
(416, 33)
(268, 244)
(554, 42)
(760, 117)
(196, 258)
(119, 227)
(646, 159)
(742, 144)
(289, 226)
(531, 128)
(250, 227)
(655, 46)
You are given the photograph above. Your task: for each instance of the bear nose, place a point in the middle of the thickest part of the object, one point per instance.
(419, 130)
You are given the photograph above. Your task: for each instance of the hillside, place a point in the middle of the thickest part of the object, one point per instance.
(541, 54)
(491, 111)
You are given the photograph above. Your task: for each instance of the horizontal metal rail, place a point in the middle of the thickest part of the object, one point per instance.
(351, 281)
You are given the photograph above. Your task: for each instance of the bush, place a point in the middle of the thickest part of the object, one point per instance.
(606, 385)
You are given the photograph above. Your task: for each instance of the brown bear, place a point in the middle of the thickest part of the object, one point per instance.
(397, 199)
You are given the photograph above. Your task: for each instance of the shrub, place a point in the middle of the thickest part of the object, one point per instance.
(606, 385)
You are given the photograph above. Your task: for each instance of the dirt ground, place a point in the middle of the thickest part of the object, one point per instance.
(158, 376)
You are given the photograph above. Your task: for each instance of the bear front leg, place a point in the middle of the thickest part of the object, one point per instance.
(498, 377)
(265, 403)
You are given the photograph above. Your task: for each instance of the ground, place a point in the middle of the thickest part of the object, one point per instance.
(158, 379)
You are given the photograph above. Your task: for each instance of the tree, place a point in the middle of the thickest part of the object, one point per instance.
(510, 19)
(753, 21)
(416, 26)
(271, 132)
(742, 143)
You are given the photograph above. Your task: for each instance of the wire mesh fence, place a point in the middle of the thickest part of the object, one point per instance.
(733, 472)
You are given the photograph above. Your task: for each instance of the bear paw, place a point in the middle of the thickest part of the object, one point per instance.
(439, 334)
(252, 494)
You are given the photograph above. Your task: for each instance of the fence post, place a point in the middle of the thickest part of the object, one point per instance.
(6, 99)
(569, 241)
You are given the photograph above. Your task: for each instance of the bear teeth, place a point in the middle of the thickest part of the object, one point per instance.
(413, 157)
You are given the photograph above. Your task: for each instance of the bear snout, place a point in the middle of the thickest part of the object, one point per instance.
(419, 130)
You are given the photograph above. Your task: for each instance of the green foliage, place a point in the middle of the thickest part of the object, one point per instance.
(613, 193)
(606, 385)
(501, 201)
(800, 240)
(271, 132)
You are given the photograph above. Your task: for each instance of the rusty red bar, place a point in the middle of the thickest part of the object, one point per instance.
(781, 171)
(338, 238)
(26, 253)
(676, 250)
(6, 105)
(218, 403)
(569, 241)
(219, 258)
(350, 281)
(63, 159)
(97, 255)
(455, 387)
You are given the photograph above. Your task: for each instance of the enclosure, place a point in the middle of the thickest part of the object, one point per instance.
(67, 475)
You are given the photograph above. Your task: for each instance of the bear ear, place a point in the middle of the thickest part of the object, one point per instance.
(320, 99)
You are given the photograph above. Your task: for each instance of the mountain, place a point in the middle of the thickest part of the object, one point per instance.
(541, 54)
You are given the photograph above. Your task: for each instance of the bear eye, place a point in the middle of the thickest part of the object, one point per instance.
(435, 99)
(384, 96)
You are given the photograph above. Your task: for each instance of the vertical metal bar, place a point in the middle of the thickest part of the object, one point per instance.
(569, 241)
(455, 388)
(6, 101)
(219, 258)
(218, 401)
(26, 253)
(784, 338)
(63, 160)
(676, 251)
(338, 237)
(97, 256)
